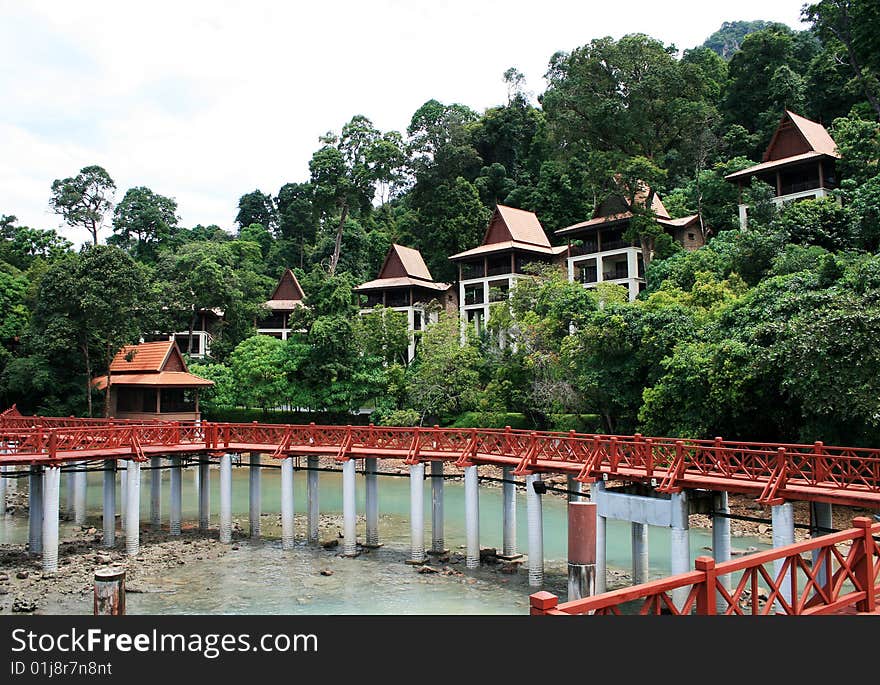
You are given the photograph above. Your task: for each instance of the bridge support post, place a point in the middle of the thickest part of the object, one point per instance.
(782, 522)
(639, 553)
(109, 518)
(601, 524)
(51, 505)
(417, 513)
(254, 495)
(472, 517)
(721, 541)
(122, 467)
(80, 493)
(575, 489)
(156, 493)
(536, 531)
(175, 506)
(35, 510)
(69, 489)
(372, 502)
(679, 544)
(581, 550)
(438, 539)
(822, 522)
(508, 515)
(204, 491)
(287, 530)
(314, 509)
(226, 498)
(132, 516)
(349, 509)
(3, 482)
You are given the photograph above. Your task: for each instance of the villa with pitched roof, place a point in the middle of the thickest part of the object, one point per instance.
(285, 298)
(405, 284)
(151, 381)
(799, 163)
(597, 251)
(514, 239)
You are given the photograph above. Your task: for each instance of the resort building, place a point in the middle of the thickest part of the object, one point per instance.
(151, 381)
(597, 251)
(514, 239)
(286, 297)
(198, 344)
(799, 163)
(404, 284)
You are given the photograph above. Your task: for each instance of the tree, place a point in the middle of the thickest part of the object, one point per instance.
(22, 245)
(85, 199)
(144, 222)
(728, 39)
(858, 142)
(256, 208)
(383, 334)
(257, 369)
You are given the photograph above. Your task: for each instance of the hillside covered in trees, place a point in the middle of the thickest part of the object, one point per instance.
(768, 333)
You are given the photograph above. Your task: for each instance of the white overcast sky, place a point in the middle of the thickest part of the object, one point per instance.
(205, 101)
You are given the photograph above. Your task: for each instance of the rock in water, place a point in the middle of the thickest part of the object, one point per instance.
(326, 572)
(23, 606)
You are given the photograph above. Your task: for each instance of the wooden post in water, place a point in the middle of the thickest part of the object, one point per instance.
(110, 592)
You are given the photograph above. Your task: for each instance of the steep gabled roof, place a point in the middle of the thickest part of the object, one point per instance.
(511, 228)
(607, 212)
(815, 137)
(150, 357)
(288, 293)
(403, 266)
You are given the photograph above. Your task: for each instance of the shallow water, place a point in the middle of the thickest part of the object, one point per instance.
(261, 578)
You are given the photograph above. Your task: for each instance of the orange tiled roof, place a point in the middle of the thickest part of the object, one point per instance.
(815, 134)
(169, 379)
(510, 245)
(412, 261)
(524, 226)
(400, 281)
(144, 357)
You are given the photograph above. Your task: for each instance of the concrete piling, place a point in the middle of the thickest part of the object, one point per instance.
(69, 489)
(226, 498)
(255, 507)
(80, 492)
(109, 592)
(782, 517)
(679, 543)
(109, 517)
(472, 517)
(49, 519)
(156, 493)
(372, 502)
(3, 483)
(581, 550)
(175, 506)
(822, 522)
(536, 531)
(349, 509)
(287, 530)
(601, 523)
(721, 547)
(508, 515)
(417, 513)
(438, 541)
(133, 515)
(204, 493)
(35, 510)
(122, 468)
(314, 508)
(639, 552)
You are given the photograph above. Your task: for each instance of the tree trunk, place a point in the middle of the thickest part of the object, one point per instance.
(334, 260)
(609, 422)
(85, 349)
(647, 244)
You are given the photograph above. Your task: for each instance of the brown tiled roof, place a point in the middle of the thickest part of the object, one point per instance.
(524, 226)
(171, 379)
(144, 357)
(681, 222)
(400, 281)
(510, 245)
(815, 134)
(764, 166)
(290, 285)
(284, 305)
(593, 223)
(411, 260)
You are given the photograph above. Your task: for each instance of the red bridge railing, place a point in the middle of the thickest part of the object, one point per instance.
(772, 472)
(845, 575)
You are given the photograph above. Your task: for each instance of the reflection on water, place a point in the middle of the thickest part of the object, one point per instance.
(261, 578)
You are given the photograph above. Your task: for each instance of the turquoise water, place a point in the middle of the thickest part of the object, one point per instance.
(260, 577)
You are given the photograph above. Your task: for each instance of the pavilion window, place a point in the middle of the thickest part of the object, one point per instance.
(473, 294)
(135, 399)
(371, 299)
(472, 269)
(397, 298)
(499, 264)
(177, 400)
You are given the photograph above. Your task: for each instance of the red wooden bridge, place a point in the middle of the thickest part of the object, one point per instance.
(772, 473)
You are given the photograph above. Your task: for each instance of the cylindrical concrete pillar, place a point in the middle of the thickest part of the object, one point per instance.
(80, 493)
(472, 517)
(3, 486)
(314, 504)
(596, 490)
(156, 492)
(349, 509)
(782, 517)
(69, 488)
(581, 550)
(254, 495)
(508, 514)
(49, 518)
(133, 515)
(35, 510)
(639, 553)
(287, 530)
(679, 543)
(109, 592)
(109, 502)
(438, 538)
(204, 493)
(417, 513)
(575, 489)
(226, 498)
(371, 481)
(721, 547)
(822, 524)
(122, 468)
(534, 511)
(175, 506)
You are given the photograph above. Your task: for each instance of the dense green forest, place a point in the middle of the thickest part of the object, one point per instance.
(768, 333)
